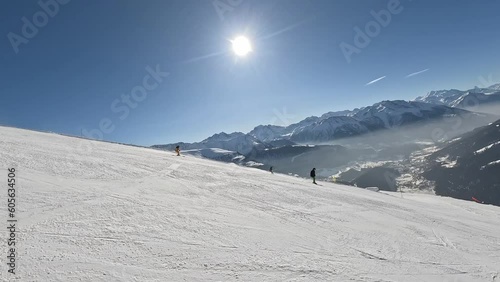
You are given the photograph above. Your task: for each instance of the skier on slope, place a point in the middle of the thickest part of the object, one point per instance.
(313, 175)
(178, 150)
(271, 170)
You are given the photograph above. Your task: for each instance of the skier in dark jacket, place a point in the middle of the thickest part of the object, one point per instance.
(313, 175)
(178, 150)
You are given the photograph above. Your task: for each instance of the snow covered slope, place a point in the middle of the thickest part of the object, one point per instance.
(495, 87)
(468, 167)
(94, 211)
(441, 97)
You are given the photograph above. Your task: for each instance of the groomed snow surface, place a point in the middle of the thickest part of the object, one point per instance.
(95, 211)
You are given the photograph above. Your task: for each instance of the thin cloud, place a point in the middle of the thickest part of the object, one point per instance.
(192, 60)
(288, 28)
(416, 73)
(376, 80)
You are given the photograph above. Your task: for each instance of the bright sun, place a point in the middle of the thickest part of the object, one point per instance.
(241, 46)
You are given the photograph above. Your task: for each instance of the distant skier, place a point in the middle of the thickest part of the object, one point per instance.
(178, 150)
(477, 201)
(313, 175)
(271, 170)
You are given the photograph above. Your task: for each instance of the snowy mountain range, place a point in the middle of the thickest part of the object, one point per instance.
(463, 99)
(332, 126)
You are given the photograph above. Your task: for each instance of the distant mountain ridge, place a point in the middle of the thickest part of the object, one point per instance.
(382, 115)
(349, 123)
(236, 142)
(463, 99)
(469, 166)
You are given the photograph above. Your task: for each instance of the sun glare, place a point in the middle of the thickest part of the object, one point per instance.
(241, 46)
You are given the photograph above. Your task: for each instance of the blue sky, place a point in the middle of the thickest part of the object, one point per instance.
(85, 56)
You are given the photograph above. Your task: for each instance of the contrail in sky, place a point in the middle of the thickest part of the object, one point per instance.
(417, 73)
(376, 80)
(288, 28)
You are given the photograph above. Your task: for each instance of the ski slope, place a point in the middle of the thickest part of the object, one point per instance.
(96, 211)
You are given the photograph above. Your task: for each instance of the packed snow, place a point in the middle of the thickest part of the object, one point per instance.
(491, 164)
(484, 149)
(445, 162)
(96, 211)
(253, 164)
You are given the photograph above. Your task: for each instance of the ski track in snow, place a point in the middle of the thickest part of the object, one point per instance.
(96, 211)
